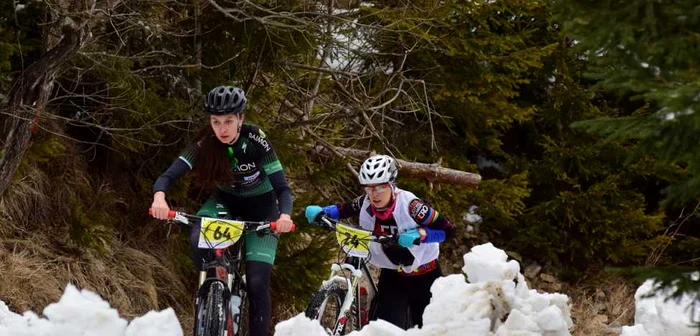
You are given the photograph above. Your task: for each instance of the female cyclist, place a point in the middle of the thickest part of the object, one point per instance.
(237, 161)
(409, 268)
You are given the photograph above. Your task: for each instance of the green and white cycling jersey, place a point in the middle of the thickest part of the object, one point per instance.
(254, 163)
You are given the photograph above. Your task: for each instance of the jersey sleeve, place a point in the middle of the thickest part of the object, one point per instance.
(427, 217)
(179, 167)
(189, 155)
(351, 208)
(284, 193)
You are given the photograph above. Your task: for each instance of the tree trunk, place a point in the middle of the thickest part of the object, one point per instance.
(198, 49)
(431, 172)
(28, 97)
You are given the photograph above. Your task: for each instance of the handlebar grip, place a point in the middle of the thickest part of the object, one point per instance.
(273, 226)
(171, 213)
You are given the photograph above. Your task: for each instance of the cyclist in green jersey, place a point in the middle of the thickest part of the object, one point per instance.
(237, 161)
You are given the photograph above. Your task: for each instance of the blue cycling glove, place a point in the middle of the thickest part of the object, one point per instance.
(312, 212)
(410, 238)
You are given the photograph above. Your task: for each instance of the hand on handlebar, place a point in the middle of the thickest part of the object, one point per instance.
(160, 208)
(410, 238)
(312, 213)
(284, 224)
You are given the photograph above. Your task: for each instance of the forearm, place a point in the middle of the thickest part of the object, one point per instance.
(344, 210)
(174, 172)
(435, 228)
(439, 230)
(283, 192)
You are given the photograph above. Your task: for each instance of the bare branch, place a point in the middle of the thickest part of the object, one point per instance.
(321, 69)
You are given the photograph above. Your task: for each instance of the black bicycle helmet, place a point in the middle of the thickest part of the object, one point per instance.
(225, 100)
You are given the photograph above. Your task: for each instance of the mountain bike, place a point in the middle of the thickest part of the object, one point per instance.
(347, 298)
(221, 292)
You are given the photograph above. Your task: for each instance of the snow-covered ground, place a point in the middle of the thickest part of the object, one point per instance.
(656, 316)
(87, 314)
(492, 300)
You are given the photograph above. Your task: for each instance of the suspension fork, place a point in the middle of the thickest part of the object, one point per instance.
(221, 266)
(351, 285)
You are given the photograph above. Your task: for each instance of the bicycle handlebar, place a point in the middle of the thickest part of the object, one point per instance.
(330, 223)
(184, 218)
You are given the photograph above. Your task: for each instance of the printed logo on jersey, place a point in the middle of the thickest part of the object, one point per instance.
(260, 139)
(262, 134)
(417, 209)
(246, 167)
(251, 178)
(389, 229)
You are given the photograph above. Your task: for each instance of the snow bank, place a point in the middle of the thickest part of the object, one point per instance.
(85, 313)
(494, 301)
(656, 316)
(299, 325)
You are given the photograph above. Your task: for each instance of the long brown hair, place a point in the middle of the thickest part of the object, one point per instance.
(212, 165)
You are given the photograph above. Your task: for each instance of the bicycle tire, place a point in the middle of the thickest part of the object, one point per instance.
(321, 298)
(215, 312)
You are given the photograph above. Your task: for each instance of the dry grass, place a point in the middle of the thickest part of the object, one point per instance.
(131, 281)
(38, 258)
(601, 309)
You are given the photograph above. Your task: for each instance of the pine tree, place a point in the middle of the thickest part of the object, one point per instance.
(507, 85)
(647, 52)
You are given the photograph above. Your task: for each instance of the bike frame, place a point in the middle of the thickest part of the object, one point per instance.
(224, 268)
(357, 267)
(337, 276)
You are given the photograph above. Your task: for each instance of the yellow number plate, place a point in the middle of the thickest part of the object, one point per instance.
(344, 235)
(219, 233)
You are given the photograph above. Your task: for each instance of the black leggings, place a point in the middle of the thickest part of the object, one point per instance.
(259, 306)
(401, 299)
(257, 273)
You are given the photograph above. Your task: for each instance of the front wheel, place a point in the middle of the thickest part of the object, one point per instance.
(210, 319)
(325, 307)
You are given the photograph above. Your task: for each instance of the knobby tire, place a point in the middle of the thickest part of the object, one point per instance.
(320, 300)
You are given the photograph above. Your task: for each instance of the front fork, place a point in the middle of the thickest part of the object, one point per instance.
(235, 300)
(203, 277)
(335, 277)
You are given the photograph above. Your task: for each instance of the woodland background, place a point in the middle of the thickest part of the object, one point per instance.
(578, 115)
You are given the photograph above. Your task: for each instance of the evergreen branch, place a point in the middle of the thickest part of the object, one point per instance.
(620, 129)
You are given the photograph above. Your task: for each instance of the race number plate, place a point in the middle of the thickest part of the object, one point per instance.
(360, 247)
(219, 233)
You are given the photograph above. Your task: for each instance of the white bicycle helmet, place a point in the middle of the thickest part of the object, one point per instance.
(378, 169)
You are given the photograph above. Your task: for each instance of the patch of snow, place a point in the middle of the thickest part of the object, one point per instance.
(300, 322)
(672, 115)
(472, 216)
(495, 301)
(657, 315)
(82, 312)
(483, 162)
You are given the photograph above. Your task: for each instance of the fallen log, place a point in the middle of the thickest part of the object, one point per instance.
(432, 172)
